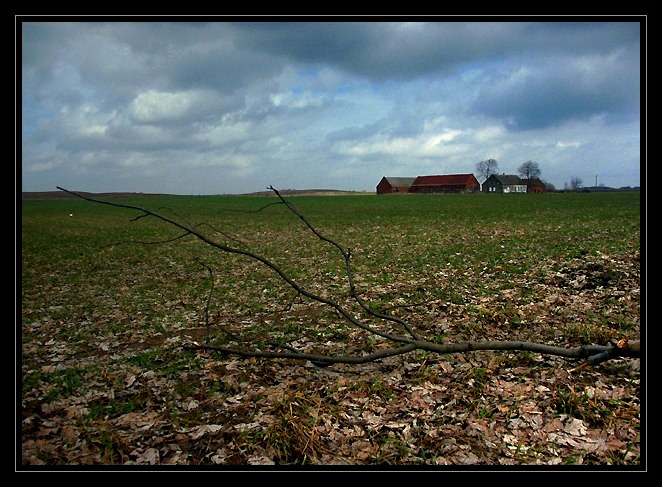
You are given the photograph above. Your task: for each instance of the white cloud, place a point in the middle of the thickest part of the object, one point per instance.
(292, 100)
(488, 133)
(565, 145)
(430, 143)
(223, 133)
(159, 106)
(41, 166)
(85, 118)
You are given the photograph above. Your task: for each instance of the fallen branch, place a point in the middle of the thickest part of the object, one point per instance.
(594, 354)
(404, 343)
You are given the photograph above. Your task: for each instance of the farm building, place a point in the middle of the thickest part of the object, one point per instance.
(534, 185)
(394, 185)
(449, 183)
(504, 183)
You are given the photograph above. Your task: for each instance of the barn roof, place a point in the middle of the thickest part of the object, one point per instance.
(534, 182)
(400, 182)
(508, 179)
(443, 180)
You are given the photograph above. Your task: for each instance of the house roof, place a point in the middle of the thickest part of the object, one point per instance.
(443, 180)
(508, 179)
(400, 182)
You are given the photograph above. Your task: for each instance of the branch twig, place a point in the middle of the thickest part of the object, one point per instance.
(209, 294)
(346, 253)
(260, 258)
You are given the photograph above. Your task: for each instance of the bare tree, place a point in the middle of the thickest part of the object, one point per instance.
(401, 337)
(529, 170)
(487, 168)
(575, 183)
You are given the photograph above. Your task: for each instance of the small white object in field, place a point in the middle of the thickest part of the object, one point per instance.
(71, 214)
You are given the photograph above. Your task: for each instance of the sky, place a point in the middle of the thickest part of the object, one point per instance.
(234, 107)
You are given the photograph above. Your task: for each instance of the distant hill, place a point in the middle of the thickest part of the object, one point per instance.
(306, 192)
(592, 189)
(61, 195)
(50, 195)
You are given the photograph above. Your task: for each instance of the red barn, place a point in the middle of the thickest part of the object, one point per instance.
(535, 185)
(449, 183)
(394, 185)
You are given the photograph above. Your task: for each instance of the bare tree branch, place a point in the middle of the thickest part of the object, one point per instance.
(254, 211)
(593, 354)
(260, 258)
(225, 234)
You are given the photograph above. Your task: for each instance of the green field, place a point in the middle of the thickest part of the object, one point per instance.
(105, 314)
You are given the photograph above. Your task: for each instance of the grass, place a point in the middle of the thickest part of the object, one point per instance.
(499, 234)
(98, 308)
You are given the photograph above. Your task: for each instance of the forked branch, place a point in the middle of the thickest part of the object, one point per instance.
(402, 343)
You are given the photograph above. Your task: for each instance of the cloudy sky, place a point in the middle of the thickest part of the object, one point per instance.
(216, 107)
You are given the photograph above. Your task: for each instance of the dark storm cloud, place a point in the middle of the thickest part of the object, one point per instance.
(233, 57)
(119, 59)
(540, 95)
(566, 70)
(378, 51)
(403, 50)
